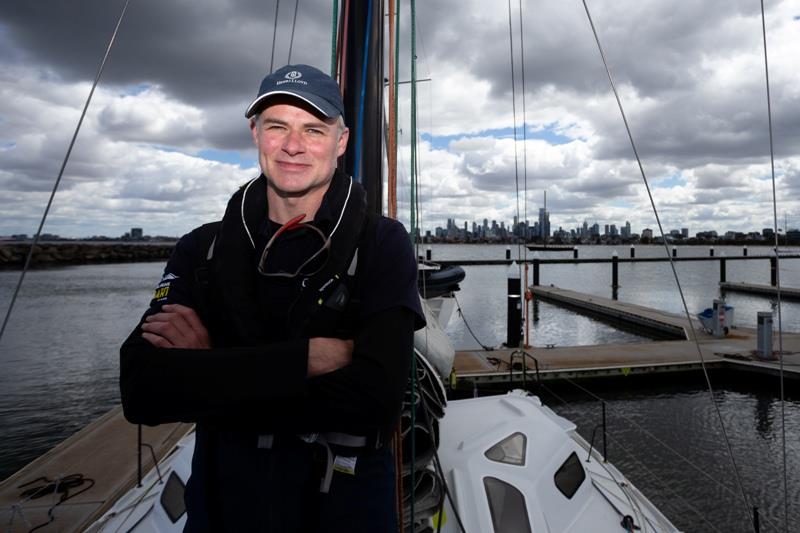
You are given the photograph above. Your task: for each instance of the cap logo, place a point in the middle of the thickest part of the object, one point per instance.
(293, 76)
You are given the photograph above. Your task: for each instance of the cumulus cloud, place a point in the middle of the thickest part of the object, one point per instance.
(159, 144)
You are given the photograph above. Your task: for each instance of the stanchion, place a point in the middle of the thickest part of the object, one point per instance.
(514, 324)
(614, 275)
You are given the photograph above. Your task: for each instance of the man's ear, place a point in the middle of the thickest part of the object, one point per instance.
(341, 146)
(254, 128)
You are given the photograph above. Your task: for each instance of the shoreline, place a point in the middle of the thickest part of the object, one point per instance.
(70, 253)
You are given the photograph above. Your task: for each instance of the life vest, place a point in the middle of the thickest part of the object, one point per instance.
(226, 281)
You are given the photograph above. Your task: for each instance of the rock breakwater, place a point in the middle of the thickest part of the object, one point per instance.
(55, 254)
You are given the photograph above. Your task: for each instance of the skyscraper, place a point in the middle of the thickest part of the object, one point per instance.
(544, 223)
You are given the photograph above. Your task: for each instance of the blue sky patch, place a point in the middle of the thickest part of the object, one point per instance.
(673, 180)
(134, 90)
(232, 157)
(546, 133)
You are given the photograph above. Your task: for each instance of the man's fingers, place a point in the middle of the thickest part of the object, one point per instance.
(157, 340)
(171, 326)
(191, 318)
(179, 325)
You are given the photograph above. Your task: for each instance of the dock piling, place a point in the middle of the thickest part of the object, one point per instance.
(428, 253)
(614, 275)
(722, 273)
(508, 253)
(674, 251)
(633, 251)
(574, 252)
(535, 271)
(711, 251)
(514, 321)
(773, 271)
(744, 250)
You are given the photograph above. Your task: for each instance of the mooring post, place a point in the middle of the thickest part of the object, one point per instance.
(711, 251)
(614, 275)
(773, 271)
(508, 253)
(514, 321)
(722, 270)
(574, 252)
(674, 251)
(535, 271)
(428, 253)
(633, 251)
(744, 250)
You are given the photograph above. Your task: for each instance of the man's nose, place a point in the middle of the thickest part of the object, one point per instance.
(293, 143)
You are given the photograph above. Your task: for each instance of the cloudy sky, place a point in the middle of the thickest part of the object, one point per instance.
(165, 142)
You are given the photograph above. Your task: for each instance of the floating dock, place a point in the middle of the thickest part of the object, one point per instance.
(102, 462)
(734, 351)
(625, 314)
(788, 293)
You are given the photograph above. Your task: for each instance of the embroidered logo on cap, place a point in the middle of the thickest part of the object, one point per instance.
(293, 75)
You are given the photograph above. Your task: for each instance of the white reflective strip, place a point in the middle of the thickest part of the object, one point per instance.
(347, 199)
(351, 271)
(210, 253)
(244, 223)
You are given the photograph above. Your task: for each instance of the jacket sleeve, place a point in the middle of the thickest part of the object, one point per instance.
(265, 388)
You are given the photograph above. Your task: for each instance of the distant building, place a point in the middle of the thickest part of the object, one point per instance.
(685, 233)
(137, 234)
(647, 233)
(544, 223)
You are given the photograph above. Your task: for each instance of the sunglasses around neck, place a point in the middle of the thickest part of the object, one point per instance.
(293, 225)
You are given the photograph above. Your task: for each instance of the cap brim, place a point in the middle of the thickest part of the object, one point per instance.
(321, 105)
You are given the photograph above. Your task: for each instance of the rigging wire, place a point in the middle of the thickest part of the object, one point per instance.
(413, 6)
(63, 166)
(514, 115)
(672, 265)
(524, 139)
(648, 433)
(274, 34)
(640, 465)
(291, 39)
(777, 275)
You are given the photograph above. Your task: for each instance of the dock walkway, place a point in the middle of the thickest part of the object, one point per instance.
(788, 293)
(637, 316)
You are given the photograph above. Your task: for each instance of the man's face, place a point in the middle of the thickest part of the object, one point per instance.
(297, 150)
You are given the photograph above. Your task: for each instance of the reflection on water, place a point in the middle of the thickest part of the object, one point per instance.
(667, 440)
(59, 354)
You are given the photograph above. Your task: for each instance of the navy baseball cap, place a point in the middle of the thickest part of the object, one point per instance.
(304, 82)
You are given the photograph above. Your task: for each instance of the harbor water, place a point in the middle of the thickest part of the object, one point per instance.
(59, 371)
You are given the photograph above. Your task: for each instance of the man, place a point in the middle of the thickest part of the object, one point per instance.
(285, 332)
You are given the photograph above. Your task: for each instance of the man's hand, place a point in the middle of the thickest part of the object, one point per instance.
(327, 354)
(176, 326)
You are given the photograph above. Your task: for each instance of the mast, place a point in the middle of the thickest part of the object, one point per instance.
(363, 95)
